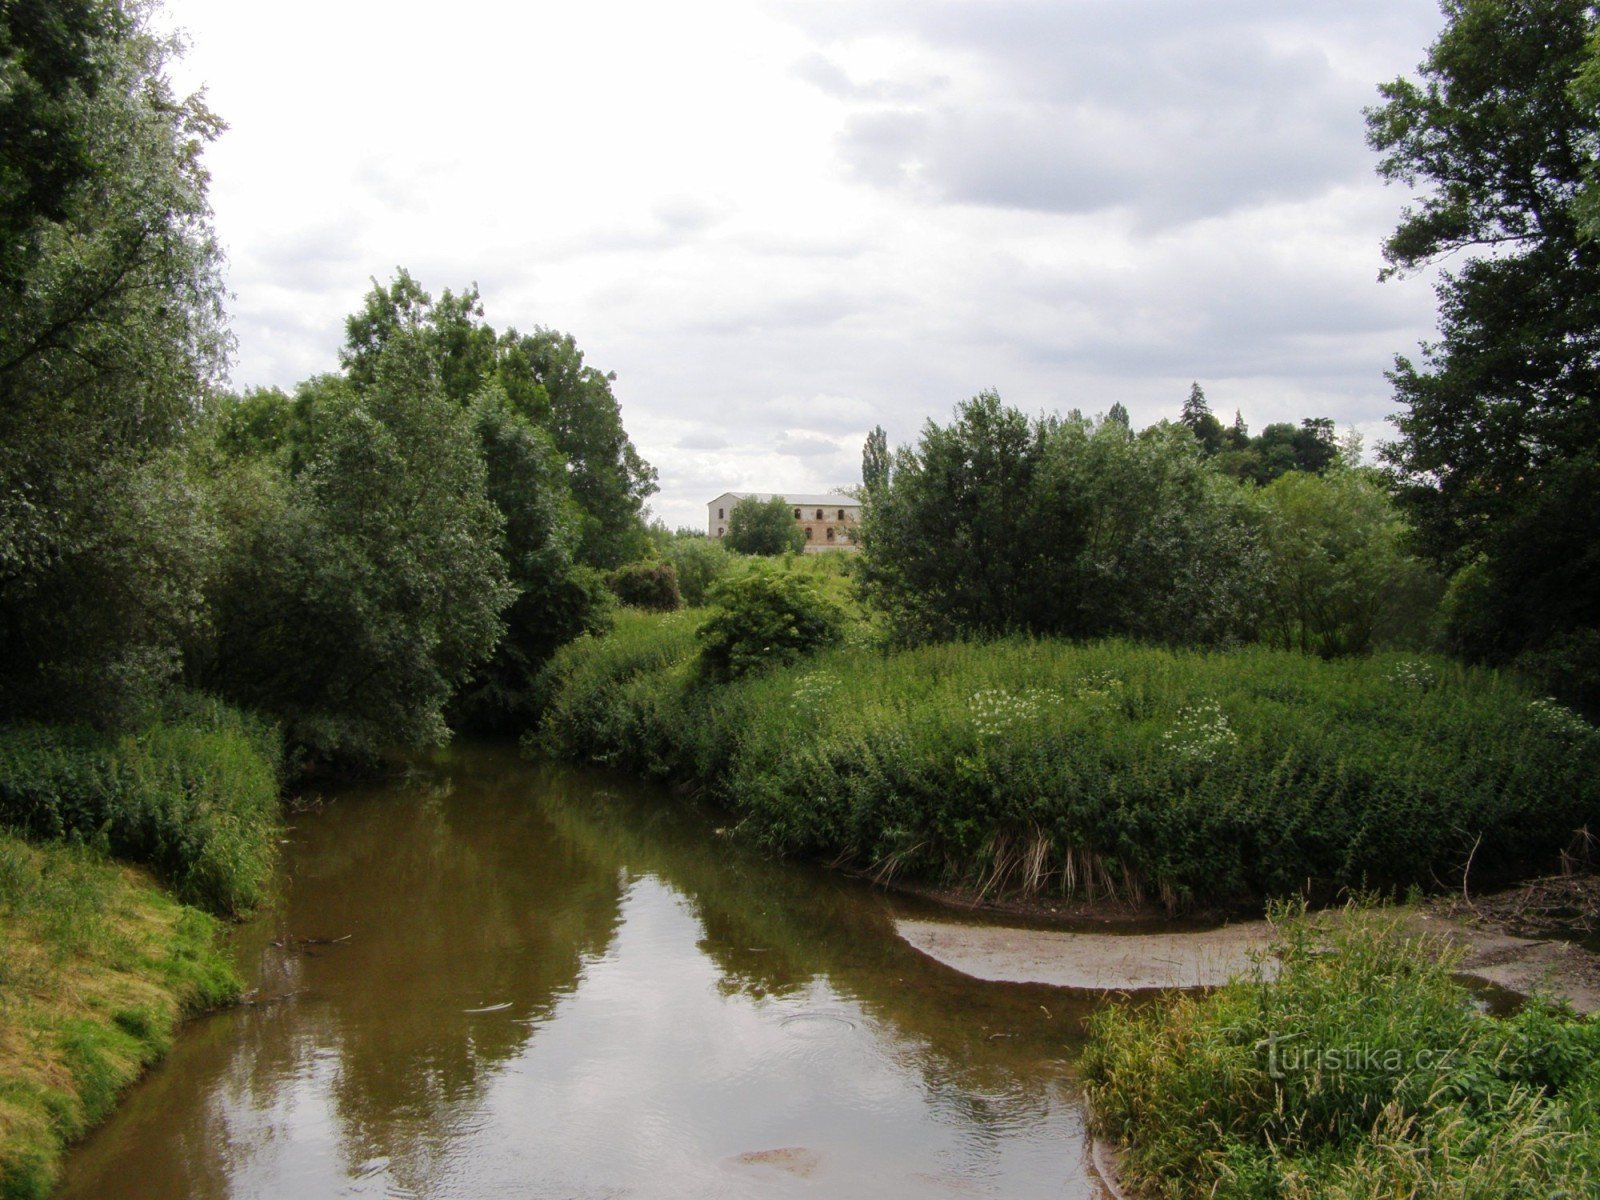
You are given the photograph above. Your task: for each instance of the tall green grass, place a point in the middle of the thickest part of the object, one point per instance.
(97, 965)
(1106, 769)
(194, 795)
(1361, 1070)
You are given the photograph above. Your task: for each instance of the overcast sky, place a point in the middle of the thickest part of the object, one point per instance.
(781, 222)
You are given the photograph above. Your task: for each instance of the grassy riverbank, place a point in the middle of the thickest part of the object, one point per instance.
(193, 794)
(98, 962)
(97, 966)
(1101, 769)
(1363, 1070)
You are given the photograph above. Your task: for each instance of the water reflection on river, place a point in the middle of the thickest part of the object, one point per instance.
(559, 984)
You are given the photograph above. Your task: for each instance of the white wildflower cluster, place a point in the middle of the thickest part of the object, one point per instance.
(1412, 673)
(1202, 732)
(1102, 685)
(995, 710)
(812, 689)
(1558, 719)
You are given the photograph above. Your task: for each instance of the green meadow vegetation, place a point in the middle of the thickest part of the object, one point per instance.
(1178, 664)
(1359, 1070)
(1107, 769)
(97, 966)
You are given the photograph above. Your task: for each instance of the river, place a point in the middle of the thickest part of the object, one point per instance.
(496, 978)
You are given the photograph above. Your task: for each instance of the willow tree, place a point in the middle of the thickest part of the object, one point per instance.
(111, 332)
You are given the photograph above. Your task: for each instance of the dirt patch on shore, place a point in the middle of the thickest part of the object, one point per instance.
(1492, 934)
(1100, 961)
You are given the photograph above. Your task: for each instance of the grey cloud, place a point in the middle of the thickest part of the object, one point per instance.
(1170, 112)
(704, 440)
(822, 72)
(805, 446)
(685, 214)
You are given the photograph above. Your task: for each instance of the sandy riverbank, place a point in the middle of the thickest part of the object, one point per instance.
(1557, 965)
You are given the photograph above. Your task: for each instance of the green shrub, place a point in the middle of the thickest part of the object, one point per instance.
(699, 562)
(1362, 1069)
(648, 585)
(1100, 769)
(764, 527)
(194, 795)
(766, 619)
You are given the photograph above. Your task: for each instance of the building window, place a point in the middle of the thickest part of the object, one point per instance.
(719, 530)
(819, 514)
(830, 533)
(797, 514)
(841, 514)
(810, 533)
(719, 514)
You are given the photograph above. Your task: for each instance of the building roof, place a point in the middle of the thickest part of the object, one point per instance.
(832, 500)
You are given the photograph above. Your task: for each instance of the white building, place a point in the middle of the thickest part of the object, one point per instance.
(829, 521)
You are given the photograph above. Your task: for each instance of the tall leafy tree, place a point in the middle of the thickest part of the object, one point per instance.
(111, 333)
(997, 524)
(875, 462)
(355, 597)
(1501, 417)
(764, 527)
(556, 598)
(544, 378)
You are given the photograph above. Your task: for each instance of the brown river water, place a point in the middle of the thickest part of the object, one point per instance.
(498, 978)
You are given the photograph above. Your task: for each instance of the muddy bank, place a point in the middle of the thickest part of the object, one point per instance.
(1558, 966)
(1103, 961)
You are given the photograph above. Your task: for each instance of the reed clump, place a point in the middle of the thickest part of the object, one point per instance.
(1105, 769)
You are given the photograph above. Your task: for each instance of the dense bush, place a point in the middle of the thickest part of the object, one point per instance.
(1103, 769)
(356, 597)
(766, 619)
(194, 795)
(648, 585)
(1000, 524)
(1362, 1070)
(1340, 575)
(764, 527)
(699, 562)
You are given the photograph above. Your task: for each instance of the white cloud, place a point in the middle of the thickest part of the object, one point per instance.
(782, 223)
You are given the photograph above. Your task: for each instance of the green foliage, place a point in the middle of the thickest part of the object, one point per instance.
(1279, 449)
(110, 331)
(195, 795)
(876, 462)
(585, 688)
(1585, 90)
(649, 585)
(998, 524)
(1500, 433)
(698, 561)
(1361, 1070)
(544, 379)
(766, 619)
(1342, 578)
(556, 597)
(356, 597)
(1102, 769)
(1197, 418)
(764, 527)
